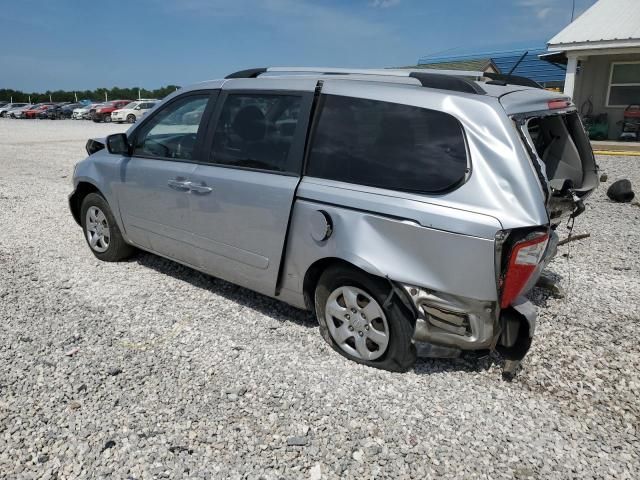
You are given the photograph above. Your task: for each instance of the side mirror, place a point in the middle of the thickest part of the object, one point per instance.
(118, 144)
(137, 108)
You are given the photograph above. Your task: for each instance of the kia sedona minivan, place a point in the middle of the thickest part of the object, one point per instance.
(399, 206)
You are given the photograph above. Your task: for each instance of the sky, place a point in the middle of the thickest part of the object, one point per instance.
(79, 44)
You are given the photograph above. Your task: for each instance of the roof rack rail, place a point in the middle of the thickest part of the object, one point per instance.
(512, 80)
(249, 73)
(442, 79)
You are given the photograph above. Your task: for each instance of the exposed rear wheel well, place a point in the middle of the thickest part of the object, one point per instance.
(315, 271)
(75, 202)
(313, 275)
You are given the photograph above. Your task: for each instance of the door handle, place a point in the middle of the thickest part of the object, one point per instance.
(199, 188)
(179, 184)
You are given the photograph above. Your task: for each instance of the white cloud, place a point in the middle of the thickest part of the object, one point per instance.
(383, 3)
(301, 16)
(540, 8)
(542, 13)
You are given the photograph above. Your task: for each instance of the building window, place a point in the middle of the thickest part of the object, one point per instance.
(624, 85)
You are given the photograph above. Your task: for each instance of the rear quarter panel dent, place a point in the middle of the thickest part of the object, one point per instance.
(401, 250)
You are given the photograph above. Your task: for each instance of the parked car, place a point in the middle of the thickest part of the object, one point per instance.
(4, 110)
(62, 111)
(52, 112)
(132, 111)
(398, 206)
(83, 112)
(36, 110)
(103, 113)
(18, 111)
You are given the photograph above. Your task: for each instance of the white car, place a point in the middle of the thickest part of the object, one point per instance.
(17, 112)
(4, 110)
(81, 113)
(132, 111)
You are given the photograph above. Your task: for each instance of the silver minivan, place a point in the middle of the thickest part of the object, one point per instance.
(401, 207)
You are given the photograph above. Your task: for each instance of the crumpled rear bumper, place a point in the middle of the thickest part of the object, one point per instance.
(467, 324)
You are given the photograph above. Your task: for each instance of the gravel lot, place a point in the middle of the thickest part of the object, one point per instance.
(179, 375)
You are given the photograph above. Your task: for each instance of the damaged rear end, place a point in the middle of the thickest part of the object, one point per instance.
(559, 148)
(561, 156)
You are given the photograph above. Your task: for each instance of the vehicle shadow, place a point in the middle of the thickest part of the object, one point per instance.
(468, 362)
(247, 298)
(549, 286)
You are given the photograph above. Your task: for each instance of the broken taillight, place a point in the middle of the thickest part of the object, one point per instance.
(525, 257)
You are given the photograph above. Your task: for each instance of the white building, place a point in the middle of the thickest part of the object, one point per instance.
(602, 51)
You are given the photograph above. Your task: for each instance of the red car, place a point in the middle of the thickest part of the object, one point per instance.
(36, 109)
(103, 114)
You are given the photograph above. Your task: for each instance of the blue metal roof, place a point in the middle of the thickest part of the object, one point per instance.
(531, 66)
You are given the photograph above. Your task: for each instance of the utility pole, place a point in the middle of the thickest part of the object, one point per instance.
(106, 99)
(573, 9)
(139, 94)
(50, 98)
(76, 96)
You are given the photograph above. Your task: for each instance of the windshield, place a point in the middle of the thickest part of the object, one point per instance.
(130, 106)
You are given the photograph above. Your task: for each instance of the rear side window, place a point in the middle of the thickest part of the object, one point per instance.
(387, 145)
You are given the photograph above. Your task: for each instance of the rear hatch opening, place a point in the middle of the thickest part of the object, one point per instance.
(562, 155)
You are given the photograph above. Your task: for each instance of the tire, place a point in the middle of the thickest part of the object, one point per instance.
(112, 247)
(131, 118)
(621, 191)
(107, 118)
(355, 329)
(3, 115)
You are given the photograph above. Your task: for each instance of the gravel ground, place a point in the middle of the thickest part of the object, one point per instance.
(147, 369)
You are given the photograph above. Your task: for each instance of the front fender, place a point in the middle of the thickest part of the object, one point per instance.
(99, 170)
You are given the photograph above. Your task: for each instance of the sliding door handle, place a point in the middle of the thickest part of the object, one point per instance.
(199, 188)
(179, 184)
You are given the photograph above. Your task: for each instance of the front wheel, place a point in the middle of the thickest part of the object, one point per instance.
(131, 118)
(107, 119)
(101, 230)
(349, 307)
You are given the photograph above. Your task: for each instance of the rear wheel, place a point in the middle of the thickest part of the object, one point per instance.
(101, 230)
(349, 307)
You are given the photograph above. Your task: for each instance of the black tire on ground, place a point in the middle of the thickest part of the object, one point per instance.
(3, 115)
(621, 191)
(400, 354)
(118, 249)
(107, 118)
(131, 118)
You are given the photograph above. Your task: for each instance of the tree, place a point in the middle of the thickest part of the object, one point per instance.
(98, 94)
